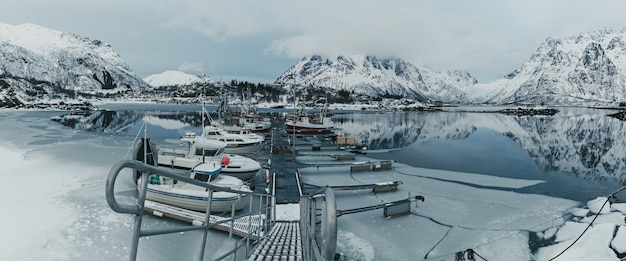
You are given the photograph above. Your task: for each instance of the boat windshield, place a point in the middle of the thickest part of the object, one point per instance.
(201, 177)
(204, 178)
(207, 152)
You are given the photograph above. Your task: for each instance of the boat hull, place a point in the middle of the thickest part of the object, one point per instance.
(221, 201)
(218, 204)
(243, 147)
(238, 166)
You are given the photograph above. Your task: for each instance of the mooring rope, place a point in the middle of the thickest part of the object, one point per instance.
(591, 223)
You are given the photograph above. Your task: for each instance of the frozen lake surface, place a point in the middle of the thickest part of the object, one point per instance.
(54, 207)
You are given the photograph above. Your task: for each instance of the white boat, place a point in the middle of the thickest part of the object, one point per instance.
(305, 122)
(193, 197)
(251, 119)
(201, 150)
(243, 142)
(245, 123)
(255, 123)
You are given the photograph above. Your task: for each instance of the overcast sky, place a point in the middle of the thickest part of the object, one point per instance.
(258, 40)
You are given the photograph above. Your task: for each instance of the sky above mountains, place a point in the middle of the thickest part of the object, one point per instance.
(259, 40)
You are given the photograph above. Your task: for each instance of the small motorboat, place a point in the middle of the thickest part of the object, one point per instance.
(189, 196)
(243, 142)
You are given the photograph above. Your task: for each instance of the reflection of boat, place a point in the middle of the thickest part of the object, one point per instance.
(242, 142)
(193, 197)
(210, 151)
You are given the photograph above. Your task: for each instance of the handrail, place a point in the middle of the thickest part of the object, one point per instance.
(137, 209)
(147, 169)
(327, 248)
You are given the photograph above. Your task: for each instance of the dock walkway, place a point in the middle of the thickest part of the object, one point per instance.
(284, 242)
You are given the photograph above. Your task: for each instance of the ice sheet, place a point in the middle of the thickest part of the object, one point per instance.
(478, 213)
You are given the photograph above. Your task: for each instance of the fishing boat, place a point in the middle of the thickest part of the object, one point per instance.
(249, 119)
(203, 150)
(189, 196)
(304, 122)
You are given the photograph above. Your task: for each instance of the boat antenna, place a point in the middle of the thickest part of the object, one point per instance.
(202, 97)
(145, 146)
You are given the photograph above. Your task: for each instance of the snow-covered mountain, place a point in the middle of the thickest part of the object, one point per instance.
(378, 77)
(40, 64)
(583, 69)
(175, 78)
(170, 84)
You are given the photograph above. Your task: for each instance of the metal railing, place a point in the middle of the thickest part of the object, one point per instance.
(138, 209)
(319, 242)
(318, 213)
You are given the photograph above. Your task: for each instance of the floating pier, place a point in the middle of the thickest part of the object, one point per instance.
(372, 166)
(376, 187)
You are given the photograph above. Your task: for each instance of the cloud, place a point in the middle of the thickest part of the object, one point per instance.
(220, 20)
(487, 38)
(191, 67)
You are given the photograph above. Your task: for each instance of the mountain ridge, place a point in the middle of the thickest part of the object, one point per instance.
(41, 64)
(584, 69)
(581, 69)
(374, 76)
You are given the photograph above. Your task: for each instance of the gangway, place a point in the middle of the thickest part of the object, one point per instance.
(284, 242)
(240, 226)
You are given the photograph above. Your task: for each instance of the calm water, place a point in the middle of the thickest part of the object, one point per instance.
(579, 152)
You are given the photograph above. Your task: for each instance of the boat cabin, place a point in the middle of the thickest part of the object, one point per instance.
(206, 172)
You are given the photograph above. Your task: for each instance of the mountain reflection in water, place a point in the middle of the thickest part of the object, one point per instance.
(578, 152)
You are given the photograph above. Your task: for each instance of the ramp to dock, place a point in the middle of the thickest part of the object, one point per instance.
(284, 242)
